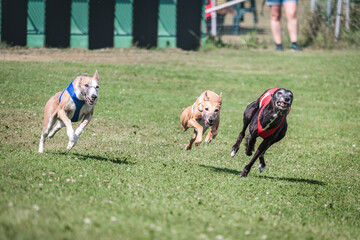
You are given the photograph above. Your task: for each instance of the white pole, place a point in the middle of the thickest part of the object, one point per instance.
(338, 20)
(225, 5)
(328, 11)
(213, 18)
(312, 5)
(347, 14)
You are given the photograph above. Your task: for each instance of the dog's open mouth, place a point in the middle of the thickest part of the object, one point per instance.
(282, 105)
(207, 123)
(89, 101)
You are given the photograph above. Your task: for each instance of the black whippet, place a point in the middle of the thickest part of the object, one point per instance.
(267, 119)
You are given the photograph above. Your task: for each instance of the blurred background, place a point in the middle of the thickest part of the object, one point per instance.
(184, 24)
(317, 23)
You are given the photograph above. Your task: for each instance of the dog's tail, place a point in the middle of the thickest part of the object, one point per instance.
(184, 118)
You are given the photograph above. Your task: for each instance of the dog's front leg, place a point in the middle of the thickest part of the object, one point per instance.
(189, 145)
(193, 123)
(69, 130)
(211, 135)
(82, 126)
(58, 126)
(278, 138)
(249, 113)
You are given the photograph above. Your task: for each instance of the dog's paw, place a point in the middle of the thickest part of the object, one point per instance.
(248, 153)
(76, 138)
(244, 173)
(197, 143)
(188, 147)
(41, 145)
(70, 145)
(233, 153)
(208, 140)
(261, 168)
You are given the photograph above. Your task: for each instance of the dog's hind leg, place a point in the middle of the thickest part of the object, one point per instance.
(189, 145)
(250, 143)
(262, 162)
(58, 126)
(260, 151)
(249, 113)
(48, 124)
(236, 146)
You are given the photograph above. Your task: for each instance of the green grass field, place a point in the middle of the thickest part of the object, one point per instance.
(129, 176)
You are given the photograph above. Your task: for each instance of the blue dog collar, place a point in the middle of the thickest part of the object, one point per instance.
(78, 103)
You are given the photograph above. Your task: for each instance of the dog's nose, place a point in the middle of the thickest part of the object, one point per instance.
(93, 96)
(287, 99)
(211, 120)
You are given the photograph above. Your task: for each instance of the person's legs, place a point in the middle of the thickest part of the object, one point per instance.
(275, 25)
(292, 23)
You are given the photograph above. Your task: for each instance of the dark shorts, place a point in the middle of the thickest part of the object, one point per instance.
(279, 2)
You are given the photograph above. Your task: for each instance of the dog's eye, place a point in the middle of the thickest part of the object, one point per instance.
(216, 110)
(206, 109)
(86, 85)
(97, 87)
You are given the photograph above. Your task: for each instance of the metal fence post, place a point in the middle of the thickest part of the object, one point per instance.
(213, 19)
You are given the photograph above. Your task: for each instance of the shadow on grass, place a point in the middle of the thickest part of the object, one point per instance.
(223, 170)
(84, 157)
(297, 180)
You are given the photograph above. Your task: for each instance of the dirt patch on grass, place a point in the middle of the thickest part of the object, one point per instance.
(83, 55)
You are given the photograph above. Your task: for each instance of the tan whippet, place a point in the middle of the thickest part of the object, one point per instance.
(204, 113)
(75, 103)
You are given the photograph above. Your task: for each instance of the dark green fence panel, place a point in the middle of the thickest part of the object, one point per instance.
(101, 24)
(167, 24)
(123, 23)
(79, 24)
(0, 19)
(189, 24)
(145, 23)
(57, 23)
(35, 23)
(13, 22)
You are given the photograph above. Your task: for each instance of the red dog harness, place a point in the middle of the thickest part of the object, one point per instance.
(264, 100)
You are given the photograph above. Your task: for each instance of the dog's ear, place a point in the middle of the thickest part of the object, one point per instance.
(85, 75)
(200, 107)
(96, 76)
(200, 103)
(220, 97)
(206, 97)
